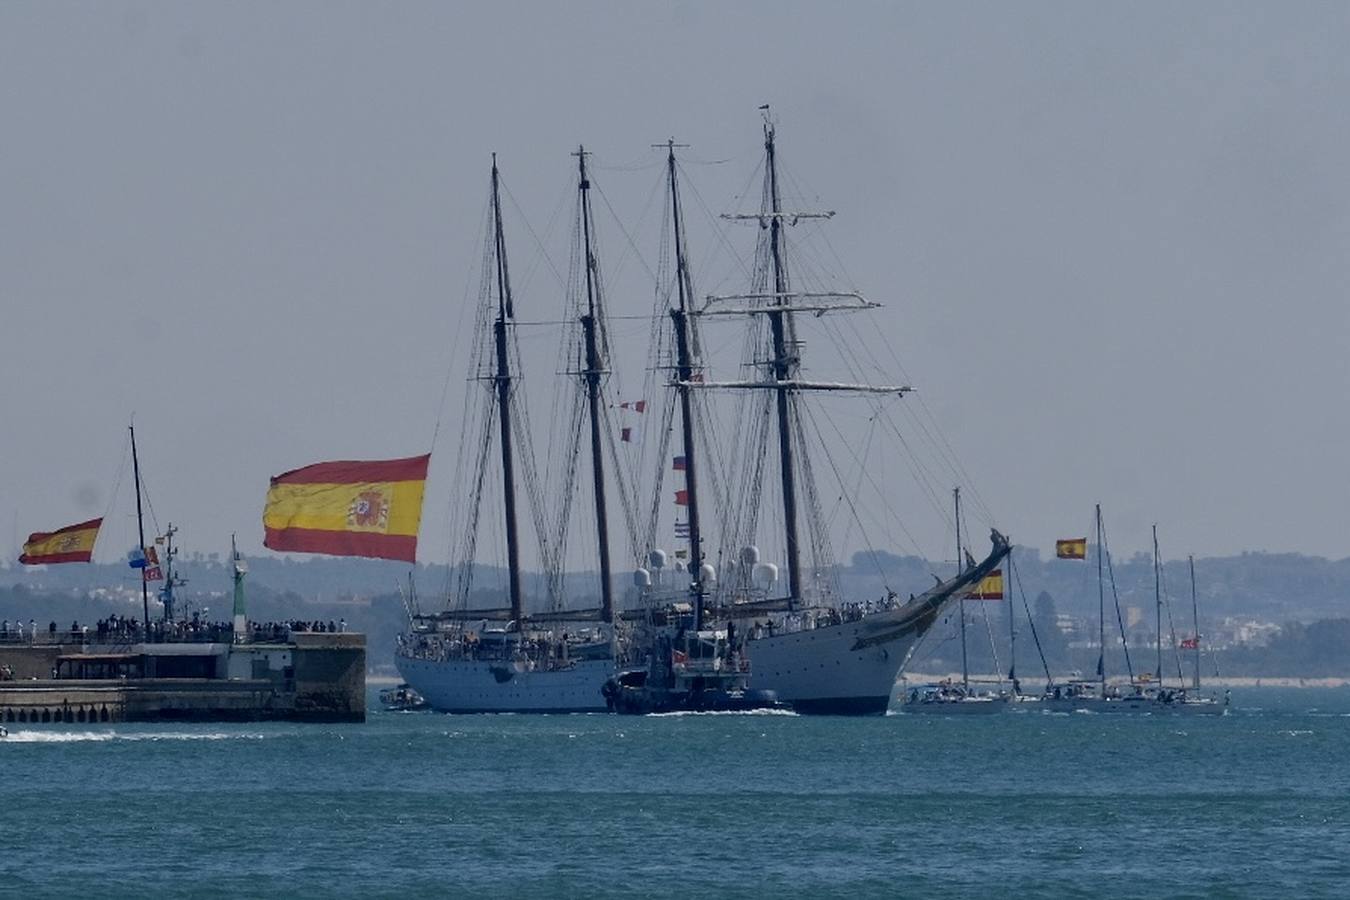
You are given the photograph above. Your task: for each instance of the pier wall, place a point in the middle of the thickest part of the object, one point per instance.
(315, 677)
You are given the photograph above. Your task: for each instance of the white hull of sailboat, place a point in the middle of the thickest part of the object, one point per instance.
(970, 706)
(481, 686)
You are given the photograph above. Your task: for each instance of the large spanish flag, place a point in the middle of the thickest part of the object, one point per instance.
(989, 588)
(348, 508)
(1071, 548)
(74, 543)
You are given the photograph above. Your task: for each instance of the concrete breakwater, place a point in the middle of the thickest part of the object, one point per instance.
(317, 677)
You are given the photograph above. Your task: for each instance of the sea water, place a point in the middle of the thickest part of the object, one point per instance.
(1253, 804)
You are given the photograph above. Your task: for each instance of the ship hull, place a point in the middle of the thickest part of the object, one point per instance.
(823, 671)
(479, 686)
(850, 668)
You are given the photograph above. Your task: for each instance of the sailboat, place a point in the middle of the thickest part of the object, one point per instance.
(946, 698)
(812, 652)
(1178, 699)
(1143, 694)
(464, 659)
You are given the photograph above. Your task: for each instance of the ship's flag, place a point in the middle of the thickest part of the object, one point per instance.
(630, 434)
(348, 508)
(634, 405)
(1071, 548)
(681, 498)
(680, 464)
(1190, 643)
(74, 543)
(989, 588)
(682, 529)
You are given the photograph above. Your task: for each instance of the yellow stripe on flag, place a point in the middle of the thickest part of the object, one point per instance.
(1071, 548)
(393, 507)
(989, 588)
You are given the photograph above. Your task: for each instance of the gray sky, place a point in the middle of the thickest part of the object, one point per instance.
(1111, 238)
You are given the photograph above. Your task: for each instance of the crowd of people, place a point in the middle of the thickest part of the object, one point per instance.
(117, 629)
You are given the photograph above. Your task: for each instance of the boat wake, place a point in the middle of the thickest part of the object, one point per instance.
(79, 737)
(722, 712)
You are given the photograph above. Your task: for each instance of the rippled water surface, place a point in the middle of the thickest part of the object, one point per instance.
(1255, 804)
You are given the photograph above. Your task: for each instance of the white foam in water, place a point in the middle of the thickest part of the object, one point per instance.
(76, 737)
(725, 712)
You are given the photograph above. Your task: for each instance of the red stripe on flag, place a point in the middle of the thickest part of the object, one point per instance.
(86, 556)
(413, 468)
(83, 526)
(343, 543)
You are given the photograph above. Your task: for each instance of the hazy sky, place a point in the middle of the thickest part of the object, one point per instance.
(1111, 238)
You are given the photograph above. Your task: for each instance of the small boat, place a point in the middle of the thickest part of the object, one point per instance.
(402, 699)
(948, 698)
(693, 671)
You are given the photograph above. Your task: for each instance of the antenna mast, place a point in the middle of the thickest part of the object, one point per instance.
(140, 531)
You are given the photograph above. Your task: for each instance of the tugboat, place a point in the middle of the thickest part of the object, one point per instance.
(402, 699)
(693, 671)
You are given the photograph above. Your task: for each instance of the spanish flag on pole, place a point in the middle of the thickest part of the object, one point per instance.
(348, 508)
(989, 588)
(1071, 548)
(74, 543)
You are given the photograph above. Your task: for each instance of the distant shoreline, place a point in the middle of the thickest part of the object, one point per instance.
(1221, 681)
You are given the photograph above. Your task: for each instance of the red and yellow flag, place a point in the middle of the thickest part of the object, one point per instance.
(74, 543)
(1071, 548)
(348, 508)
(989, 588)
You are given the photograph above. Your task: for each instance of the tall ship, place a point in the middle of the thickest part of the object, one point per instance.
(801, 641)
(465, 659)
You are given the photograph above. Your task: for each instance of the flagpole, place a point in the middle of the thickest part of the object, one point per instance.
(140, 531)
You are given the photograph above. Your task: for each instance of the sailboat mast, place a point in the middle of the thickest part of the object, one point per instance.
(1101, 605)
(503, 387)
(1195, 618)
(140, 531)
(592, 373)
(1157, 603)
(965, 669)
(685, 371)
(784, 366)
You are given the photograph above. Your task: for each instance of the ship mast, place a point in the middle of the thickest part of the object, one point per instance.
(1101, 606)
(140, 530)
(502, 381)
(592, 373)
(965, 669)
(1157, 601)
(679, 316)
(784, 366)
(1195, 617)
